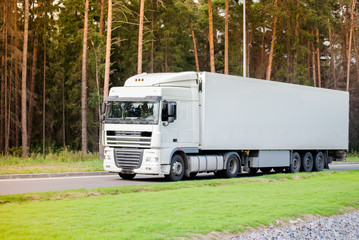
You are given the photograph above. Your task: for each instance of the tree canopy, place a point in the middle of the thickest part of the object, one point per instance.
(310, 41)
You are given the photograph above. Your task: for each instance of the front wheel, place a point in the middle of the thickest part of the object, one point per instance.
(127, 176)
(232, 166)
(177, 168)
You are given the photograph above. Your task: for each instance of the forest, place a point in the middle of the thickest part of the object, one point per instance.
(60, 57)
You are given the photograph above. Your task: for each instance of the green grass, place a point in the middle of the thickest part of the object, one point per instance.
(353, 157)
(180, 209)
(63, 161)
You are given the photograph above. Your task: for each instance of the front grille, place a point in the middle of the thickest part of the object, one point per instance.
(128, 158)
(129, 139)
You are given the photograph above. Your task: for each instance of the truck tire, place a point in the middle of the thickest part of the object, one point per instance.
(232, 166)
(127, 176)
(177, 168)
(318, 162)
(307, 162)
(295, 163)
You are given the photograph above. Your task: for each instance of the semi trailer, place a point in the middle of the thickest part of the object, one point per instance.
(182, 124)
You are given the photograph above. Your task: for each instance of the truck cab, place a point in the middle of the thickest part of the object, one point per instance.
(147, 121)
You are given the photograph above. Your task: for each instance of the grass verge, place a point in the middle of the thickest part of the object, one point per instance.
(173, 210)
(63, 161)
(67, 161)
(352, 157)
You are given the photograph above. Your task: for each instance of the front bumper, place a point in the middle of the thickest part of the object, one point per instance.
(151, 163)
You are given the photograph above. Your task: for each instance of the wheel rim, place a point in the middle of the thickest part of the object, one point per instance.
(295, 162)
(320, 162)
(307, 162)
(232, 166)
(177, 168)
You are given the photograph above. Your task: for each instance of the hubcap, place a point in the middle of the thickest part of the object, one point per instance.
(307, 162)
(232, 165)
(320, 162)
(177, 168)
(295, 163)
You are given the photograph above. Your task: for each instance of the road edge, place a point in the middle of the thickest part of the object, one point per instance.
(51, 175)
(77, 174)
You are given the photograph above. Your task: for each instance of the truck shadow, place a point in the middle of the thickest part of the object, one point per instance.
(199, 177)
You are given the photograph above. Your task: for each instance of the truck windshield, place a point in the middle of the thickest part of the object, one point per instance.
(132, 112)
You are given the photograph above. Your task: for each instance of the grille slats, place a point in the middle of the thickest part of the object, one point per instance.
(128, 158)
(129, 139)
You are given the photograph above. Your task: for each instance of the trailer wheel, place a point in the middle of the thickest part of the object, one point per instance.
(295, 163)
(266, 170)
(319, 162)
(307, 162)
(232, 166)
(127, 176)
(177, 168)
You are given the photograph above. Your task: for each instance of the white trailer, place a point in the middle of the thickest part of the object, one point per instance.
(181, 124)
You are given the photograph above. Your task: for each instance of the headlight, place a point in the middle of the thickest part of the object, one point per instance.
(152, 159)
(107, 154)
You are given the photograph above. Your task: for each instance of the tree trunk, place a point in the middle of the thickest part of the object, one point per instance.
(140, 37)
(23, 81)
(210, 36)
(332, 63)
(318, 61)
(313, 64)
(16, 76)
(84, 85)
(194, 48)
(152, 64)
(63, 114)
(44, 99)
(166, 60)
(356, 58)
(32, 82)
(261, 68)
(350, 42)
(108, 51)
(248, 55)
(7, 134)
(107, 67)
(226, 71)
(296, 34)
(102, 13)
(308, 59)
(2, 108)
(269, 67)
(97, 129)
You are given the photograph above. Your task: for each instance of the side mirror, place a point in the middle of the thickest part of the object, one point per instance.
(102, 117)
(171, 119)
(103, 108)
(171, 109)
(168, 112)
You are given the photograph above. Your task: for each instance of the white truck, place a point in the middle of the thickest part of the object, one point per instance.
(181, 124)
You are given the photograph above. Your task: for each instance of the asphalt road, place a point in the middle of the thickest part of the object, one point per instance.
(15, 186)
